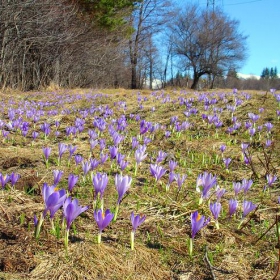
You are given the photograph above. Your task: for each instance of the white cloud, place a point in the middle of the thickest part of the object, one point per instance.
(248, 76)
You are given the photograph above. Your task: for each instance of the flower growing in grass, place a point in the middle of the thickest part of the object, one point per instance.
(136, 222)
(47, 152)
(99, 182)
(246, 185)
(223, 148)
(180, 180)
(237, 187)
(140, 156)
(206, 181)
(161, 156)
(71, 210)
(4, 179)
(122, 184)
(157, 171)
(227, 162)
(72, 181)
(215, 209)
(270, 180)
(172, 165)
(62, 148)
(232, 206)
(14, 177)
(197, 223)
(247, 207)
(53, 200)
(103, 220)
(219, 192)
(57, 174)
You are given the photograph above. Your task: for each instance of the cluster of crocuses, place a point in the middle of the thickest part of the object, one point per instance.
(205, 185)
(9, 179)
(54, 199)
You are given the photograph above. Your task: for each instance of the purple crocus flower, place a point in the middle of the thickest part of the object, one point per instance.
(223, 148)
(246, 185)
(227, 161)
(53, 199)
(207, 181)
(135, 142)
(35, 134)
(62, 148)
(35, 220)
(232, 206)
(71, 210)
(113, 151)
(248, 206)
(244, 147)
(157, 171)
(102, 220)
(103, 158)
(180, 180)
(72, 150)
(197, 223)
(4, 179)
(100, 182)
(123, 164)
(136, 221)
(268, 143)
(72, 181)
(86, 167)
(161, 156)
(47, 152)
(140, 154)
(57, 174)
(14, 178)
(270, 179)
(146, 140)
(219, 193)
(93, 163)
(215, 209)
(78, 159)
(122, 184)
(268, 126)
(172, 165)
(237, 186)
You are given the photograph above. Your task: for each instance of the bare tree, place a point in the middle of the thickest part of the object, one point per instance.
(147, 19)
(209, 41)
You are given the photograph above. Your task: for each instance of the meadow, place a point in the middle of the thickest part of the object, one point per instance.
(122, 184)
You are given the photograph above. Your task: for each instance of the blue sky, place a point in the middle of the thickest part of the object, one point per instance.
(260, 20)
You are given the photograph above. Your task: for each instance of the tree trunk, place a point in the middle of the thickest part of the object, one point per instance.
(133, 76)
(196, 77)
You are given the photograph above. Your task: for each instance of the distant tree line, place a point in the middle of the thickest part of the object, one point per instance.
(118, 43)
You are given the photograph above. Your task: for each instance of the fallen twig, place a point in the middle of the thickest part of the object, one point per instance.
(211, 267)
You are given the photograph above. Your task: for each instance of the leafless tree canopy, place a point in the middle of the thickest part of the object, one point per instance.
(45, 41)
(208, 40)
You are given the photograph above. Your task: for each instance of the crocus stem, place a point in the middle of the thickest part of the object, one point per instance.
(217, 225)
(66, 239)
(99, 237)
(38, 228)
(239, 226)
(191, 247)
(52, 224)
(132, 240)
(116, 212)
(135, 171)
